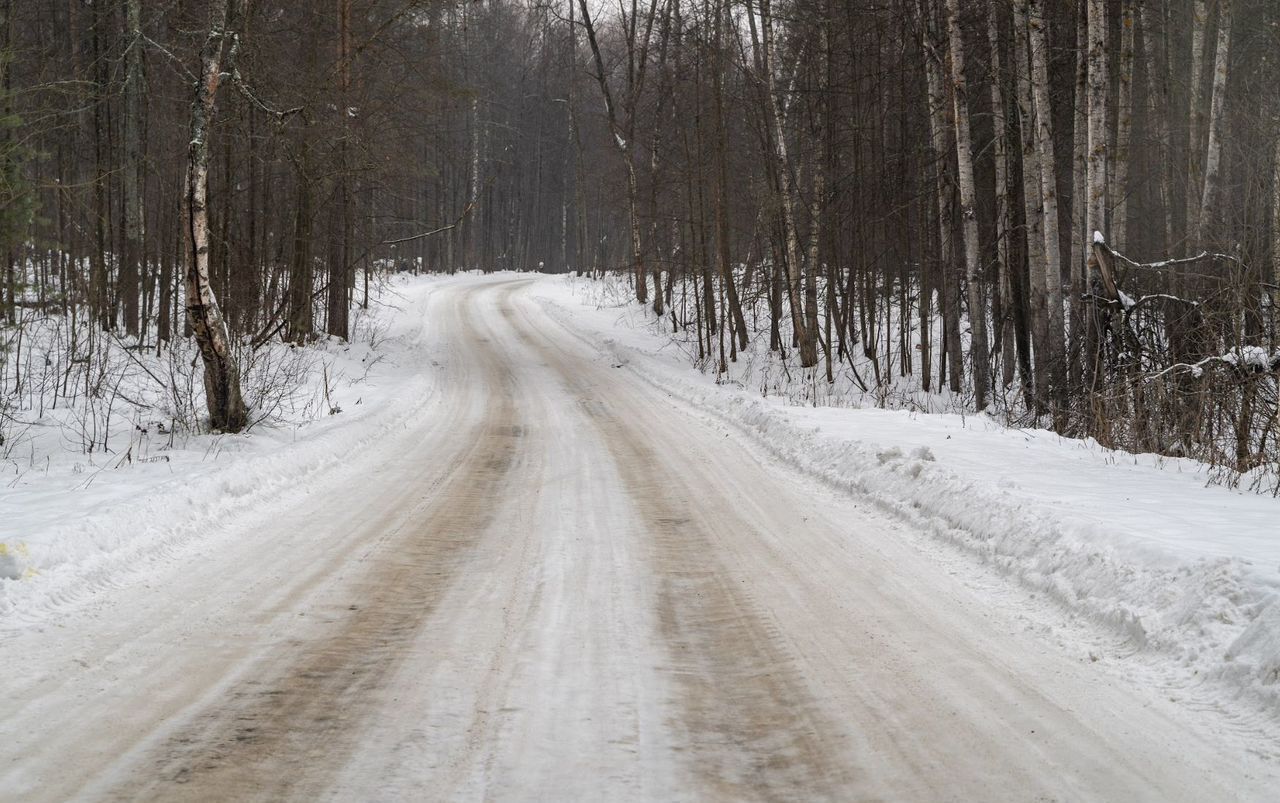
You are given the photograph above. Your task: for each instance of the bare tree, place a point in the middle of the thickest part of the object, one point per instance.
(1004, 335)
(1195, 131)
(1033, 205)
(623, 127)
(134, 180)
(221, 373)
(980, 349)
(1217, 119)
(940, 132)
(1124, 127)
(1055, 359)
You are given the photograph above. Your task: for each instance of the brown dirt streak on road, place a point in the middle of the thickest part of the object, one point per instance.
(755, 730)
(285, 734)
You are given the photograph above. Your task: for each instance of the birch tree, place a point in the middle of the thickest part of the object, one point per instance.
(979, 349)
(226, 406)
(788, 194)
(1217, 119)
(1033, 206)
(841, 169)
(1055, 358)
(623, 128)
(1097, 154)
(940, 132)
(818, 179)
(1004, 335)
(1078, 251)
(723, 236)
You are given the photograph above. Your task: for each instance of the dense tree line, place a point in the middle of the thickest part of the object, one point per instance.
(1067, 212)
(894, 190)
(335, 139)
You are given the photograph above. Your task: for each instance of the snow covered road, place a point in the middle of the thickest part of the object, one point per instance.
(557, 582)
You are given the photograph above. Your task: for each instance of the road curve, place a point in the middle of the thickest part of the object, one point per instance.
(561, 584)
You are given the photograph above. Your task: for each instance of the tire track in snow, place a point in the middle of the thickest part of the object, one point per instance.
(282, 733)
(754, 729)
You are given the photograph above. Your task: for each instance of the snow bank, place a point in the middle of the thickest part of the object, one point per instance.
(74, 524)
(1135, 543)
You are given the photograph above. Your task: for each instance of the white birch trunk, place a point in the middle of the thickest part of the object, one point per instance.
(1049, 196)
(221, 374)
(1033, 208)
(624, 148)
(1078, 250)
(939, 127)
(1217, 118)
(817, 201)
(787, 191)
(1000, 125)
(979, 350)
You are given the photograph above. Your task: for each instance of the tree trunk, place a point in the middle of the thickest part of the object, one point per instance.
(787, 199)
(1158, 113)
(622, 135)
(1097, 155)
(1004, 335)
(979, 351)
(723, 242)
(339, 269)
(221, 374)
(817, 200)
(8, 170)
(1033, 206)
(301, 273)
(1056, 357)
(1217, 119)
(99, 282)
(1124, 128)
(131, 265)
(164, 304)
(939, 130)
(1078, 249)
(1195, 123)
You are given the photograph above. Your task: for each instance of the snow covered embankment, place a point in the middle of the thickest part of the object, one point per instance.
(1134, 543)
(75, 523)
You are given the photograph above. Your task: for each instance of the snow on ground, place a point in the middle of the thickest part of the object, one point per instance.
(1138, 543)
(73, 523)
(558, 581)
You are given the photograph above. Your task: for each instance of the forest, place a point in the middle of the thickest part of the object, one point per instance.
(1065, 214)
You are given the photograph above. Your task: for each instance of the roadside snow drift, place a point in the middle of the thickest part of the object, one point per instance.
(1136, 543)
(76, 523)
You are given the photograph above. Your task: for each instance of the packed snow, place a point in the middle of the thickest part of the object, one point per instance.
(501, 558)
(1186, 572)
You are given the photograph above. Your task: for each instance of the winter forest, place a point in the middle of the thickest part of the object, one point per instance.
(639, 400)
(1068, 212)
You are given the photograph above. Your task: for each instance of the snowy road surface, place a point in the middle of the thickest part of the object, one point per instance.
(557, 583)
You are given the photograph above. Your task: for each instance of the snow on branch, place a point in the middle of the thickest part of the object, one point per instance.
(1245, 360)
